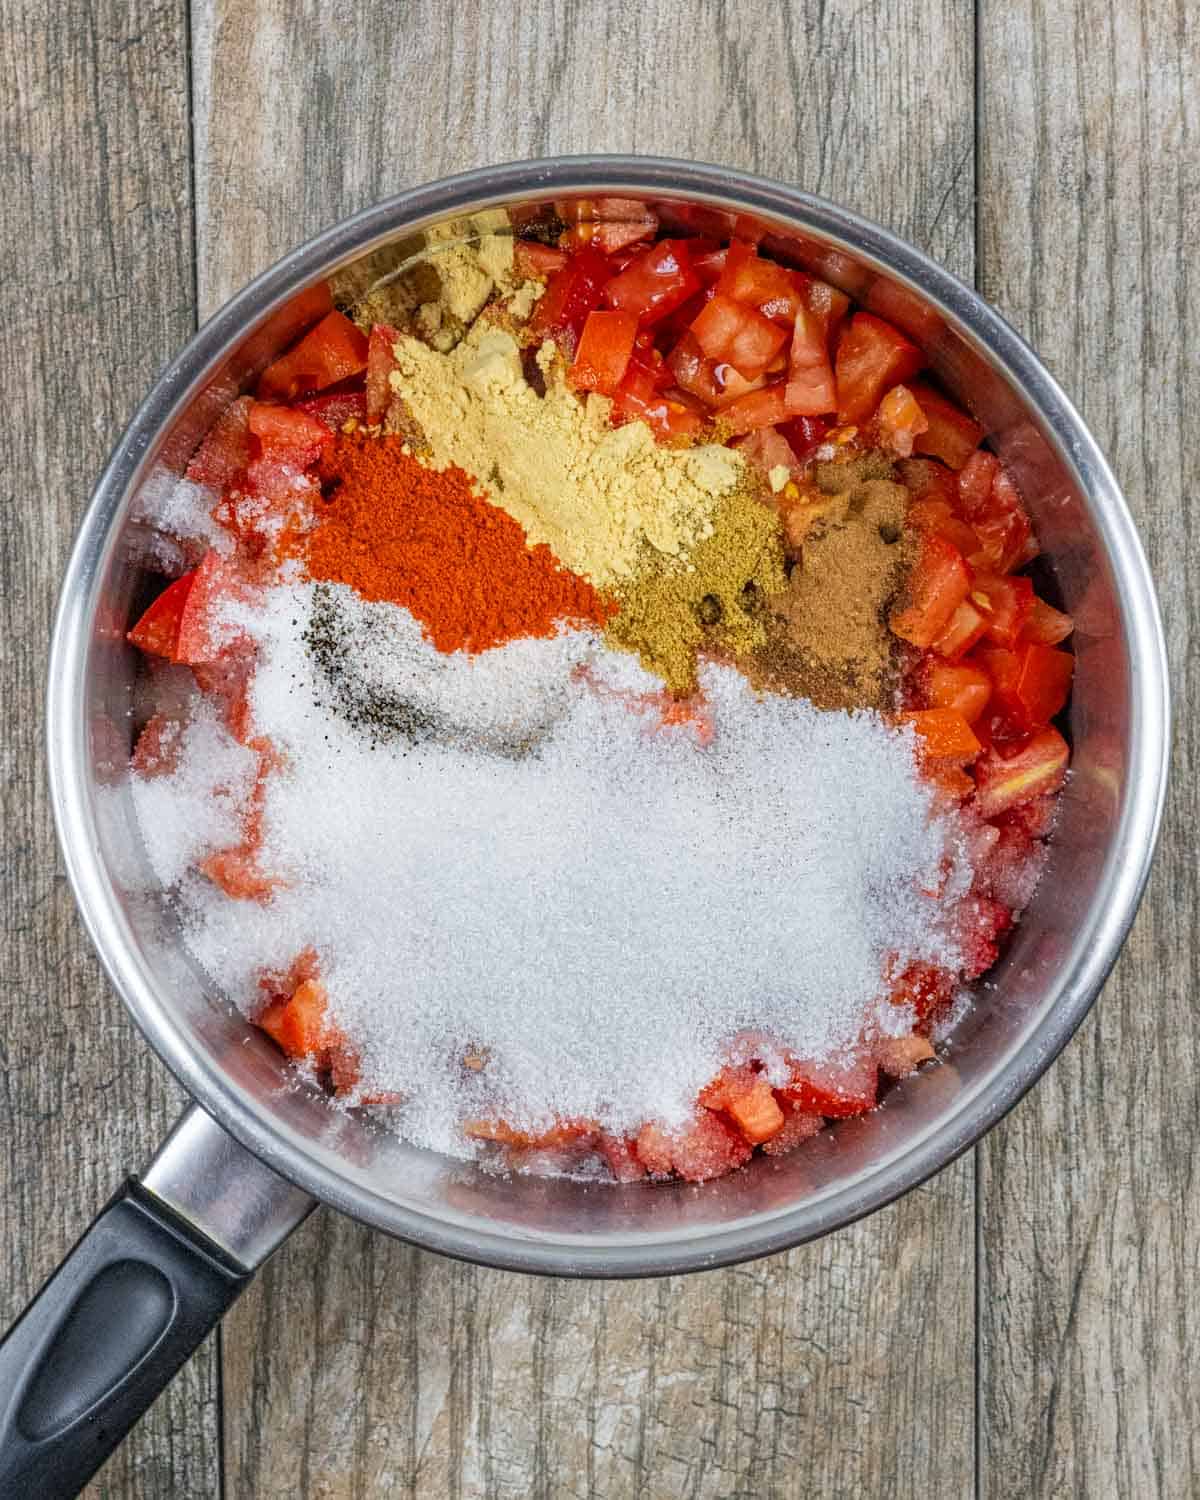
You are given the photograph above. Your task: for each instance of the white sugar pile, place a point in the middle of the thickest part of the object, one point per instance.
(539, 870)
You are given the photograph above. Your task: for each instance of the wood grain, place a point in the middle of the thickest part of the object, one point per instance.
(1090, 1213)
(96, 245)
(359, 1367)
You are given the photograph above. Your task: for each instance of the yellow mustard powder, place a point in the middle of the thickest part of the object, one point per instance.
(599, 497)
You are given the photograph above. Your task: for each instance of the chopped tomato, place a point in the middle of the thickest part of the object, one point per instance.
(332, 351)
(157, 750)
(830, 306)
(1004, 603)
(900, 420)
(298, 1024)
(798, 1126)
(569, 296)
(762, 408)
(708, 260)
(898, 1056)
(1045, 624)
(749, 1101)
(730, 332)
(1035, 770)
(805, 434)
(871, 356)
(810, 389)
(926, 479)
(621, 1155)
(748, 278)
(975, 480)
(654, 283)
(288, 431)
(1004, 529)
(906, 309)
(979, 921)
(638, 398)
(381, 361)
(604, 350)
(937, 586)
(337, 409)
(236, 872)
(225, 450)
(157, 632)
(944, 732)
(935, 515)
(214, 581)
(834, 1089)
(537, 262)
(926, 988)
(702, 1150)
(693, 372)
(1031, 683)
(958, 686)
(951, 435)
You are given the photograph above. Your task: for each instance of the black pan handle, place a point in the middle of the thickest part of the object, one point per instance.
(129, 1304)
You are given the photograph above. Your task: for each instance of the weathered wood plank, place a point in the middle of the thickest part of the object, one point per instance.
(359, 1367)
(96, 245)
(1090, 197)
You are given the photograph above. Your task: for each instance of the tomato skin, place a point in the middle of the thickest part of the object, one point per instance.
(937, 586)
(951, 436)
(605, 347)
(871, 356)
(157, 632)
(654, 283)
(729, 331)
(332, 351)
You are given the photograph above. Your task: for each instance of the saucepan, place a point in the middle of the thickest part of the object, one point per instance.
(180, 1239)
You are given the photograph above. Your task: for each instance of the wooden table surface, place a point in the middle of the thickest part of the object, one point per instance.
(1028, 1323)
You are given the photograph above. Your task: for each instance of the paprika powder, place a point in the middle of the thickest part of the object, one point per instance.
(395, 529)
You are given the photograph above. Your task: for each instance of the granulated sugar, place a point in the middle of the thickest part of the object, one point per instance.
(547, 876)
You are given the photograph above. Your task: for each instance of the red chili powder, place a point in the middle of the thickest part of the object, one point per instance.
(395, 530)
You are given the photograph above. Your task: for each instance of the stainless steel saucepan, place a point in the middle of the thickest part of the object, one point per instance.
(250, 1158)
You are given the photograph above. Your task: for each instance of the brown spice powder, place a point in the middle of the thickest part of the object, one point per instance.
(827, 635)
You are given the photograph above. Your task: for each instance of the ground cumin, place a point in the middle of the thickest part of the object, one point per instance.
(827, 637)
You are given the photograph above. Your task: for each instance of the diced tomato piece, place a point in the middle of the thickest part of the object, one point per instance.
(732, 333)
(951, 435)
(1005, 604)
(157, 750)
(770, 450)
(762, 408)
(943, 732)
(975, 480)
(285, 430)
(898, 1056)
(225, 450)
(798, 1126)
(810, 390)
(637, 398)
(1034, 818)
(332, 351)
(926, 479)
(298, 1025)
(935, 515)
(236, 872)
(830, 306)
(900, 420)
(1004, 529)
(654, 283)
(654, 1149)
(805, 434)
(871, 356)
(834, 1089)
(604, 350)
(748, 1099)
(226, 679)
(537, 262)
(381, 361)
(569, 296)
(693, 372)
(957, 686)
(926, 988)
(1035, 770)
(1045, 624)
(776, 292)
(214, 581)
(937, 586)
(337, 409)
(622, 1158)
(157, 632)
(1044, 683)
(708, 260)
(706, 1149)
(979, 922)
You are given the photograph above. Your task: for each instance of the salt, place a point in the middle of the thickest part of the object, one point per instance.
(598, 904)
